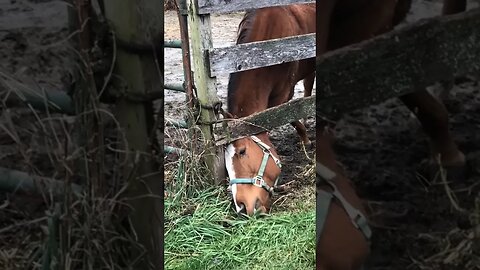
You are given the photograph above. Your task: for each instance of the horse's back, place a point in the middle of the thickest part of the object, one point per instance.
(354, 22)
(278, 22)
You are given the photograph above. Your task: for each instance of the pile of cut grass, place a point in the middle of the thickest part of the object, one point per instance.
(203, 232)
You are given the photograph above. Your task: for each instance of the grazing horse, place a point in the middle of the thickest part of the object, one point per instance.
(252, 163)
(341, 245)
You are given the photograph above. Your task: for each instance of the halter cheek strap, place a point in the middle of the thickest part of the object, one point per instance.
(258, 180)
(324, 199)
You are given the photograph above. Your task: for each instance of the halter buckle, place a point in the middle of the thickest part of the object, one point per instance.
(258, 181)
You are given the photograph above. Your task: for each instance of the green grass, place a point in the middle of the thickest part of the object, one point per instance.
(202, 232)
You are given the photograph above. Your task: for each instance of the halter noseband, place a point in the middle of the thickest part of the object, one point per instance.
(258, 180)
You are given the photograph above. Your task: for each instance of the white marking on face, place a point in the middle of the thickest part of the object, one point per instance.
(229, 153)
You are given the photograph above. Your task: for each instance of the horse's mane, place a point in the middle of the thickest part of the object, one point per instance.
(243, 32)
(245, 26)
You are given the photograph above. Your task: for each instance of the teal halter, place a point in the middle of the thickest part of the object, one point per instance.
(258, 180)
(324, 200)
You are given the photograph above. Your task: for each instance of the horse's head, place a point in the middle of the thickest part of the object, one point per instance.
(254, 169)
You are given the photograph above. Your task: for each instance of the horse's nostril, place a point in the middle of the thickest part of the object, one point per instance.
(243, 209)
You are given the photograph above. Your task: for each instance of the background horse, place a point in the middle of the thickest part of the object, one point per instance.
(343, 22)
(252, 163)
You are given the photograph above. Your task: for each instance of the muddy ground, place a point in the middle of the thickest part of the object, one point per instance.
(32, 49)
(381, 147)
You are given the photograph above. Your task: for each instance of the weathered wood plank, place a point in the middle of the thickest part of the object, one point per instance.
(140, 22)
(252, 55)
(201, 42)
(226, 6)
(398, 63)
(271, 118)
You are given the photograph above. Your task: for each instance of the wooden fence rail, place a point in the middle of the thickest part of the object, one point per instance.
(227, 6)
(252, 55)
(398, 62)
(270, 118)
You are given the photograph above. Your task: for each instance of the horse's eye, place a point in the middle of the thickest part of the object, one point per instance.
(242, 151)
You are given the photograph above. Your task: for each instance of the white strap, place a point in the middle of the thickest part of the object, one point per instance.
(266, 147)
(258, 141)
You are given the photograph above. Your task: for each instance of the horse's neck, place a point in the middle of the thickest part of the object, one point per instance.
(249, 92)
(247, 106)
(280, 22)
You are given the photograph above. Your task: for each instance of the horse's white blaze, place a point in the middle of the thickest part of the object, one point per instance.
(229, 153)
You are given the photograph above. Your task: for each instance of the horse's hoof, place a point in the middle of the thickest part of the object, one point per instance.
(306, 124)
(308, 145)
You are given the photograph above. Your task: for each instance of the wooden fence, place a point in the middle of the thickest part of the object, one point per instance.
(398, 63)
(209, 62)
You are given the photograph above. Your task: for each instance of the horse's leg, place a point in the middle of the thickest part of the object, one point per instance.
(301, 129)
(433, 116)
(308, 88)
(302, 132)
(308, 84)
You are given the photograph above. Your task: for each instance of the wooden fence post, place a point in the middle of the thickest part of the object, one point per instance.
(138, 27)
(201, 42)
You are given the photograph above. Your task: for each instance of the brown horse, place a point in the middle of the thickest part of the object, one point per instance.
(340, 245)
(252, 163)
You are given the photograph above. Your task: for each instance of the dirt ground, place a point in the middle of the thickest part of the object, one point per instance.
(32, 49)
(380, 146)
